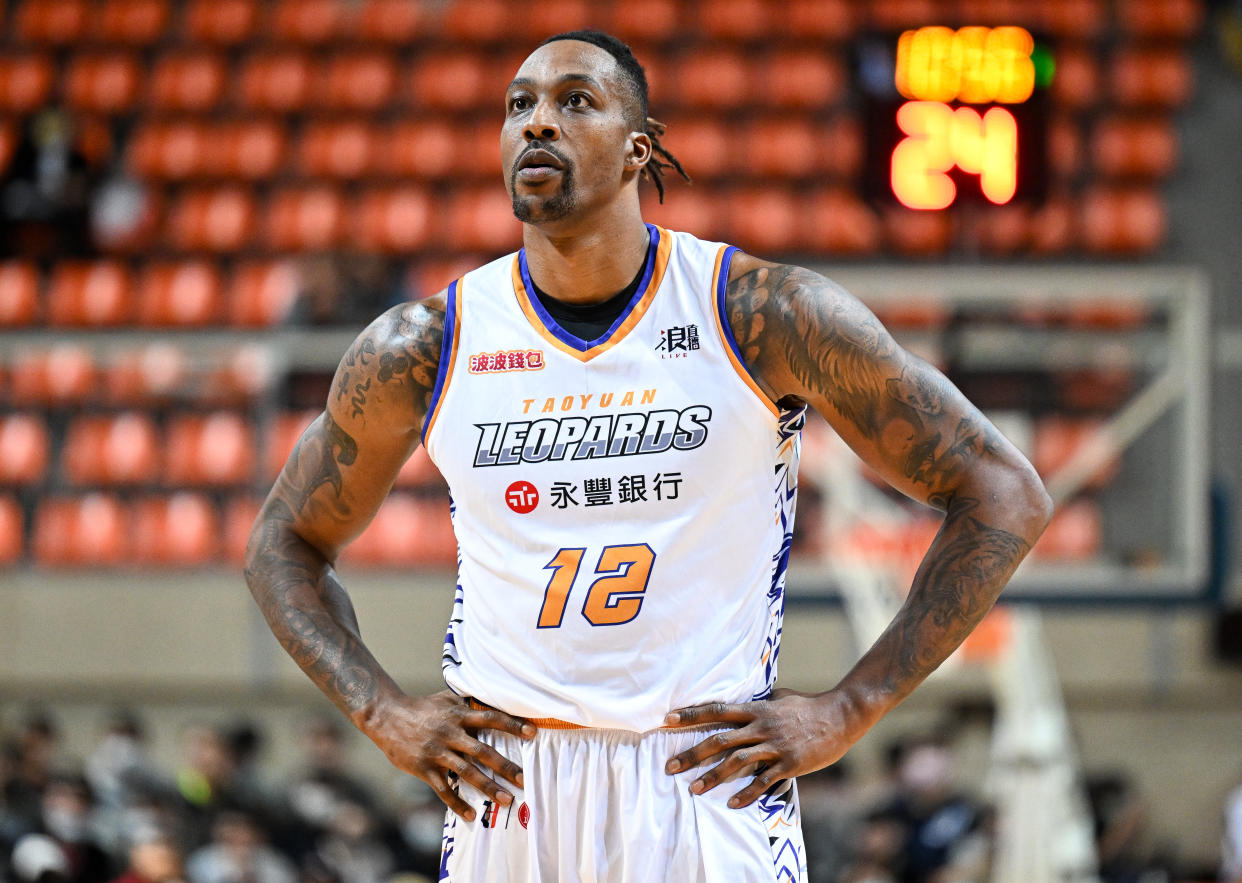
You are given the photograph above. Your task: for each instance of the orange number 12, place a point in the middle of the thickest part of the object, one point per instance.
(613, 598)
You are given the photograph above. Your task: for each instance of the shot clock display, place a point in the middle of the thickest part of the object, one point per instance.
(956, 115)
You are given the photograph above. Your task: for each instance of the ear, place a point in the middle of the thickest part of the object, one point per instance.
(639, 152)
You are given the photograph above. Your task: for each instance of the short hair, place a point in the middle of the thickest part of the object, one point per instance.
(633, 73)
(636, 81)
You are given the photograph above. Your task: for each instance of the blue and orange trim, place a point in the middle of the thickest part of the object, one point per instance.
(658, 251)
(448, 355)
(720, 284)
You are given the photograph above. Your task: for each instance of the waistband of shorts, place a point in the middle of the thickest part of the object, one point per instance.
(544, 723)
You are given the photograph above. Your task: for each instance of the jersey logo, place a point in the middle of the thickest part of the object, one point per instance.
(678, 341)
(504, 361)
(522, 497)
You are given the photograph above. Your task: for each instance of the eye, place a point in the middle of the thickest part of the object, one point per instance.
(518, 103)
(578, 99)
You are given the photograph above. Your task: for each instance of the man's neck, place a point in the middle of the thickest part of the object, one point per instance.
(590, 262)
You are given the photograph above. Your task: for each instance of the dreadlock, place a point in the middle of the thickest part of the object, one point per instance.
(636, 80)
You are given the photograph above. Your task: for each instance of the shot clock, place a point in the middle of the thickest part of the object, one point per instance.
(955, 115)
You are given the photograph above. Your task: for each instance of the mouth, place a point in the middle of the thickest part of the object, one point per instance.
(538, 165)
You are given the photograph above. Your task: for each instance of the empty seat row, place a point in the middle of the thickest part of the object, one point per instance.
(319, 22)
(135, 448)
(106, 293)
(719, 78)
(189, 529)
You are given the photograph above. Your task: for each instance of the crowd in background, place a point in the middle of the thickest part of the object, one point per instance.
(219, 815)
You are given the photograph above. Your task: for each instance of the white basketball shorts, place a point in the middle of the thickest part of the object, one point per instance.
(599, 808)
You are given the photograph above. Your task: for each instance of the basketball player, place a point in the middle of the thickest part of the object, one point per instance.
(616, 410)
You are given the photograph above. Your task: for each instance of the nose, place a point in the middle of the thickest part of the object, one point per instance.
(540, 126)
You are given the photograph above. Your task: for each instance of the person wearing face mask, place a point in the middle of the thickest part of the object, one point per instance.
(66, 818)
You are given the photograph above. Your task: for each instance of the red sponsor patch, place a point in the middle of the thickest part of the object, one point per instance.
(524, 814)
(522, 497)
(503, 361)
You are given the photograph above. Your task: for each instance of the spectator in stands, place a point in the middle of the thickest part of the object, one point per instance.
(45, 197)
(66, 818)
(155, 860)
(238, 851)
(343, 290)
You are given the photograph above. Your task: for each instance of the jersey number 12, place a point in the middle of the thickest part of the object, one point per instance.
(613, 598)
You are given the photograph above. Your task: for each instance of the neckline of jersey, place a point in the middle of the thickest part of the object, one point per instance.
(567, 341)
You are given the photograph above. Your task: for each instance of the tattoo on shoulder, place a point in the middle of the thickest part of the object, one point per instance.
(400, 350)
(792, 323)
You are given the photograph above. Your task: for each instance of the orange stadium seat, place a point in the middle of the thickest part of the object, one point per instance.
(735, 21)
(479, 148)
(1159, 78)
(102, 83)
(182, 530)
(252, 149)
(471, 22)
(122, 449)
(896, 15)
(311, 22)
(1161, 19)
(241, 377)
(275, 81)
(25, 447)
(1073, 19)
(765, 220)
(131, 22)
(90, 530)
(396, 220)
(261, 294)
(428, 149)
(640, 22)
(150, 375)
(1003, 229)
(407, 531)
(279, 439)
(419, 471)
(807, 79)
(838, 222)
(1055, 226)
(782, 148)
(183, 81)
(1075, 534)
(94, 293)
(65, 374)
(428, 277)
(1077, 83)
(1137, 148)
(12, 531)
(20, 301)
(918, 233)
(179, 294)
(239, 516)
(542, 18)
(51, 21)
(398, 22)
(221, 22)
(697, 210)
(826, 20)
(994, 13)
(843, 147)
(344, 149)
(25, 82)
(304, 218)
(362, 81)
(452, 81)
(1123, 220)
(218, 220)
(171, 151)
(716, 79)
(481, 219)
(706, 146)
(217, 449)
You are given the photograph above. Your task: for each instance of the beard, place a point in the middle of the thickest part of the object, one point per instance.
(534, 209)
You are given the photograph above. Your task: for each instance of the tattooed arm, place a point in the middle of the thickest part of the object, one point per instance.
(335, 480)
(807, 339)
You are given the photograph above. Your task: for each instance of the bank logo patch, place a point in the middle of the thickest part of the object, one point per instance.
(504, 361)
(522, 497)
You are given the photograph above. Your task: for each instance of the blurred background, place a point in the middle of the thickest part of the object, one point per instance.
(203, 201)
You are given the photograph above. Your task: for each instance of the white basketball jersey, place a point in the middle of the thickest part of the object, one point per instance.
(623, 506)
